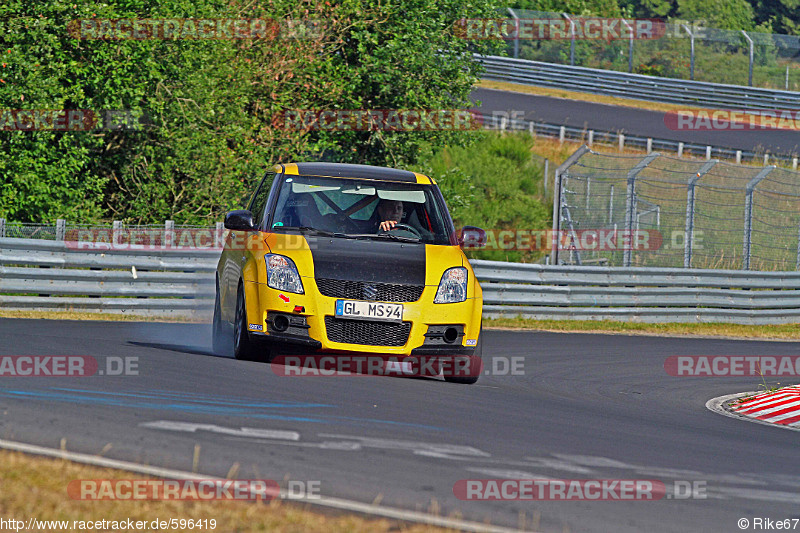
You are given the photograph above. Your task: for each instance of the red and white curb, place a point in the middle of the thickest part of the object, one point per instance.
(779, 408)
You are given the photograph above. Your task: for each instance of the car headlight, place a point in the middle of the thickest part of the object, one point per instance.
(282, 274)
(453, 287)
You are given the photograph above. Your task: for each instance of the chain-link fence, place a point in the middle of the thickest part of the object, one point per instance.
(663, 211)
(678, 49)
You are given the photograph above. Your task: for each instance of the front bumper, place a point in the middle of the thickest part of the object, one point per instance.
(321, 331)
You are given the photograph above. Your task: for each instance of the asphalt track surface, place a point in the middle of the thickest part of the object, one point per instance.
(630, 121)
(584, 406)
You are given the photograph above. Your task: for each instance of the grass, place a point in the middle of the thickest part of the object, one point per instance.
(36, 487)
(763, 389)
(739, 331)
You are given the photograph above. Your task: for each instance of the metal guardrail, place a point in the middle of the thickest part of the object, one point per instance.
(47, 275)
(638, 294)
(639, 86)
(57, 276)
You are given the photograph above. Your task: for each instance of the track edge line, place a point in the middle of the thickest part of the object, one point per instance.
(323, 501)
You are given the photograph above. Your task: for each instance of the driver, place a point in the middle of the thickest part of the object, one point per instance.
(390, 212)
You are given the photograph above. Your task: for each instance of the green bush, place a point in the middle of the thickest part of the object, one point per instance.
(493, 183)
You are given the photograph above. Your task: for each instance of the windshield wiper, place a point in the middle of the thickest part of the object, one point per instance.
(388, 236)
(315, 231)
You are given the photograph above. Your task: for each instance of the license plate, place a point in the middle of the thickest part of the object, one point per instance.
(369, 310)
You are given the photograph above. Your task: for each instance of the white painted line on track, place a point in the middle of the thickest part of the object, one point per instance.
(322, 501)
(715, 405)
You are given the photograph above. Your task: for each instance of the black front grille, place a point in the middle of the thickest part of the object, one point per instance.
(368, 333)
(383, 292)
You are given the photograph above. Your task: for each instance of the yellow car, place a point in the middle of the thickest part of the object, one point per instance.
(341, 259)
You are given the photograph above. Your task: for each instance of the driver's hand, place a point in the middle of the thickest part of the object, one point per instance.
(386, 225)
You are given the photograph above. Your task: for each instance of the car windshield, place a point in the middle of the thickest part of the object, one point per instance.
(355, 208)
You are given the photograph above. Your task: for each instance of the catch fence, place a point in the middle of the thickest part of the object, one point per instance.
(689, 50)
(672, 212)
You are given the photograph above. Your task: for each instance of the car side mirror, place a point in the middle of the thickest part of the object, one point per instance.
(240, 220)
(472, 238)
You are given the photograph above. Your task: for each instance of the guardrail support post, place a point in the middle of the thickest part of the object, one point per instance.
(797, 264)
(219, 235)
(2, 228)
(588, 191)
(738, 156)
(571, 40)
(516, 32)
(691, 50)
(590, 141)
(680, 149)
(708, 153)
(630, 46)
(794, 163)
(688, 235)
(554, 244)
(532, 129)
(750, 72)
(649, 145)
(611, 205)
(116, 229)
(562, 133)
(630, 205)
(169, 233)
(621, 142)
(546, 172)
(748, 213)
(766, 159)
(61, 229)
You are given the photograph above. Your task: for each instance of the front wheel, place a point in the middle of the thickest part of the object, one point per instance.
(244, 348)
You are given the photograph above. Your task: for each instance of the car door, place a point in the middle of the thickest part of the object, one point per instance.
(235, 253)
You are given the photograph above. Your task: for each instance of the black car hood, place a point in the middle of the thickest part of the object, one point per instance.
(370, 260)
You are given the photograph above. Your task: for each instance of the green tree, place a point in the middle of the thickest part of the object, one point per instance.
(782, 16)
(725, 14)
(212, 104)
(598, 8)
(401, 55)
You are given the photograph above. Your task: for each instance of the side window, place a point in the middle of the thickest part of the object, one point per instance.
(259, 202)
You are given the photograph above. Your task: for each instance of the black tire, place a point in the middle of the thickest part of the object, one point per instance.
(244, 348)
(220, 337)
(474, 364)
